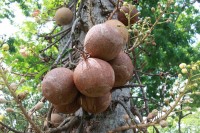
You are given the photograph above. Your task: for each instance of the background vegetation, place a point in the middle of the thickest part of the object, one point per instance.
(27, 59)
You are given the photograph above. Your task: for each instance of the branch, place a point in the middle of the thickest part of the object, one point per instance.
(116, 9)
(112, 2)
(137, 42)
(142, 125)
(50, 45)
(73, 121)
(61, 32)
(186, 115)
(143, 93)
(53, 29)
(127, 86)
(157, 131)
(183, 8)
(131, 116)
(49, 115)
(74, 6)
(32, 110)
(68, 43)
(89, 14)
(9, 128)
(48, 33)
(26, 74)
(135, 111)
(80, 128)
(160, 74)
(65, 121)
(37, 129)
(80, 8)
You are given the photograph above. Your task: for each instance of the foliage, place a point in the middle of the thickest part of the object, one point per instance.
(189, 124)
(157, 63)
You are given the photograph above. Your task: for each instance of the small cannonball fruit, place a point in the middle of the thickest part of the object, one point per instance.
(24, 52)
(150, 116)
(58, 86)
(5, 47)
(104, 42)
(68, 108)
(56, 119)
(123, 68)
(63, 16)
(9, 110)
(35, 13)
(95, 104)
(13, 86)
(163, 123)
(126, 10)
(39, 105)
(94, 77)
(120, 27)
(3, 100)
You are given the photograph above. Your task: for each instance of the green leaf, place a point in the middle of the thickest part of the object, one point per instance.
(37, 77)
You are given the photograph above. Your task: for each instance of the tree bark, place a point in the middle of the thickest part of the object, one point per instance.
(95, 12)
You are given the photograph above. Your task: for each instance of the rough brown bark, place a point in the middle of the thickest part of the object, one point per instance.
(95, 12)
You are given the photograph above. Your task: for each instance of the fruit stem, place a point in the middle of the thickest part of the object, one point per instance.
(85, 55)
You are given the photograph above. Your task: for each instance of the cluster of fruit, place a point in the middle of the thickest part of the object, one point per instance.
(90, 84)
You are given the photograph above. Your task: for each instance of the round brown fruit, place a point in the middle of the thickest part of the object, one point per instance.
(63, 16)
(68, 108)
(103, 41)
(120, 27)
(58, 86)
(95, 104)
(133, 15)
(56, 119)
(123, 68)
(94, 77)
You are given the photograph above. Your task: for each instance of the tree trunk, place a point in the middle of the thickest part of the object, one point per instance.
(94, 12)
(114, 116)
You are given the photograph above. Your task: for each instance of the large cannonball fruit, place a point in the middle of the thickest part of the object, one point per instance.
(123, 68)
(63, 16)
(120, 27)
(94, 77)
(103, 41)
(58, 86)
(68, 108)
(95, 104)
(126, 9)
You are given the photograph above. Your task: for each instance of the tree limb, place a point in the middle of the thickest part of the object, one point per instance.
(115, 10)
(73, 121)
(49, 115)
(19, 103)
(68, 43)
(9, 128)
(131, 116)
(142, 125)
(89, 13)
(50, 45)
(127, 86)
(186, 114)
(143, 93)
